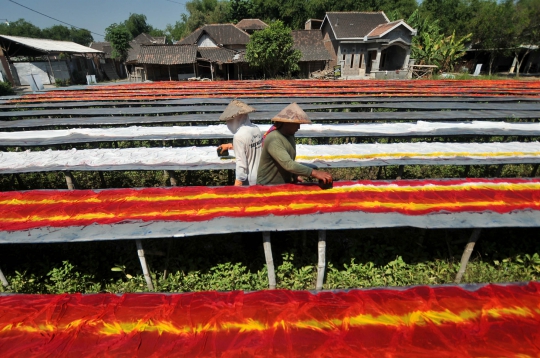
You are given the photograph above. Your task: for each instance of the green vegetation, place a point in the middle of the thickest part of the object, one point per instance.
(6, 89)
(24, 28)
(356, 259)
(272, 50)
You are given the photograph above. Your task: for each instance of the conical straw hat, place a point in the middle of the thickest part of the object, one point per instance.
(235, 108)
(292, 114)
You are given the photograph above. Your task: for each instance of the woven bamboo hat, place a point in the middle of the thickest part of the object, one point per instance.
(235, 108)
(292, 114)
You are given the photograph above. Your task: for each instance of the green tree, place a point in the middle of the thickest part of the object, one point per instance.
(57, 32)
(176, 31)
(272, 50)
(81, 36)
(202, 12)
(136, 25)
(490, 29)
(239, 9)
(454, 16)
(119, 37)
(526, 29)
(432, 47)
(21, 27)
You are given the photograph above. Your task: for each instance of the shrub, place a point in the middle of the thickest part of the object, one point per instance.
(6, 89)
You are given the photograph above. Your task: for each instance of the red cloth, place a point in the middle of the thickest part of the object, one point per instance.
(492, 321)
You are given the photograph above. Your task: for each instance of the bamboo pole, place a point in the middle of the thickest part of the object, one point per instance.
(70, 181)
(322, 259)
(146, 272)
(498, 173)
(102, 178)
(379, 173)
(467, 254)
(267, 245)
(170, 174)
(535, 169)
(400, 172)
(20, 181)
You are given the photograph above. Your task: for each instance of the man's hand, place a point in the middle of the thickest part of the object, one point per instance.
(225, 147)
(237, 182)
(324, 176)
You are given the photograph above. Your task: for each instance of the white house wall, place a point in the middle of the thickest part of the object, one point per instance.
(206, 41)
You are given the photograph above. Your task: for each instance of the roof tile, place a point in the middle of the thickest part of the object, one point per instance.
(310, 43)
(167, 54)
(222, 34)
(355, 24)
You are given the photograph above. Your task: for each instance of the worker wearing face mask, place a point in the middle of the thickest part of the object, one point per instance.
(246, 141)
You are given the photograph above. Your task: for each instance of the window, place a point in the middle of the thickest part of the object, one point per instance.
(352, 60)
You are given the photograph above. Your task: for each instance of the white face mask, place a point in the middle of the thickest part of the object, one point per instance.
(237, 122)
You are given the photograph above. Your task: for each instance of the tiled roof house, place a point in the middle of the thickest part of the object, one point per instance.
(314, 55)
(251, 25)
(217, 35)
(366, 43)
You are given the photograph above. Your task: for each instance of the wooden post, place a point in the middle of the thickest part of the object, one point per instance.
(170, 175)
(379, 173)
(499, 171)
(20, 181)
(400, 172)
(267, 245)
(535, 169)
(467, 254)
(169, 69)
(51, 77)
(322, 259)
(467, 169)
(144, 266)
(102, 178)
(70, 181)
(5, 283)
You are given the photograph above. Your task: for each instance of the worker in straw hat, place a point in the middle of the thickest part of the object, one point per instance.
(277, 165)
(246, 141)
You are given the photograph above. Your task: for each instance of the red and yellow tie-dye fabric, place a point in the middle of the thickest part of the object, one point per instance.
(491, 321)
(59, 208)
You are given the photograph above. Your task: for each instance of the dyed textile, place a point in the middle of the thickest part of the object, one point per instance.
(63, 208)
(291, 89)
(489, 321)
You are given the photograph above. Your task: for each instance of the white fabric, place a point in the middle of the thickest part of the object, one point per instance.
(420, 128)
(325, 156)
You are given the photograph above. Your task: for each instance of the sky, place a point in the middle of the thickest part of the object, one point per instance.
(93, 15)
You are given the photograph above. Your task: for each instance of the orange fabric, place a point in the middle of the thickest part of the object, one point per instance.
(292, 88)
(492, 321)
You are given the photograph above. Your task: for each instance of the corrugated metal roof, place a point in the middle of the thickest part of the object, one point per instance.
(310, 43)
(222, 34)
(167, 54)
(354, 24)
(50, 46)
